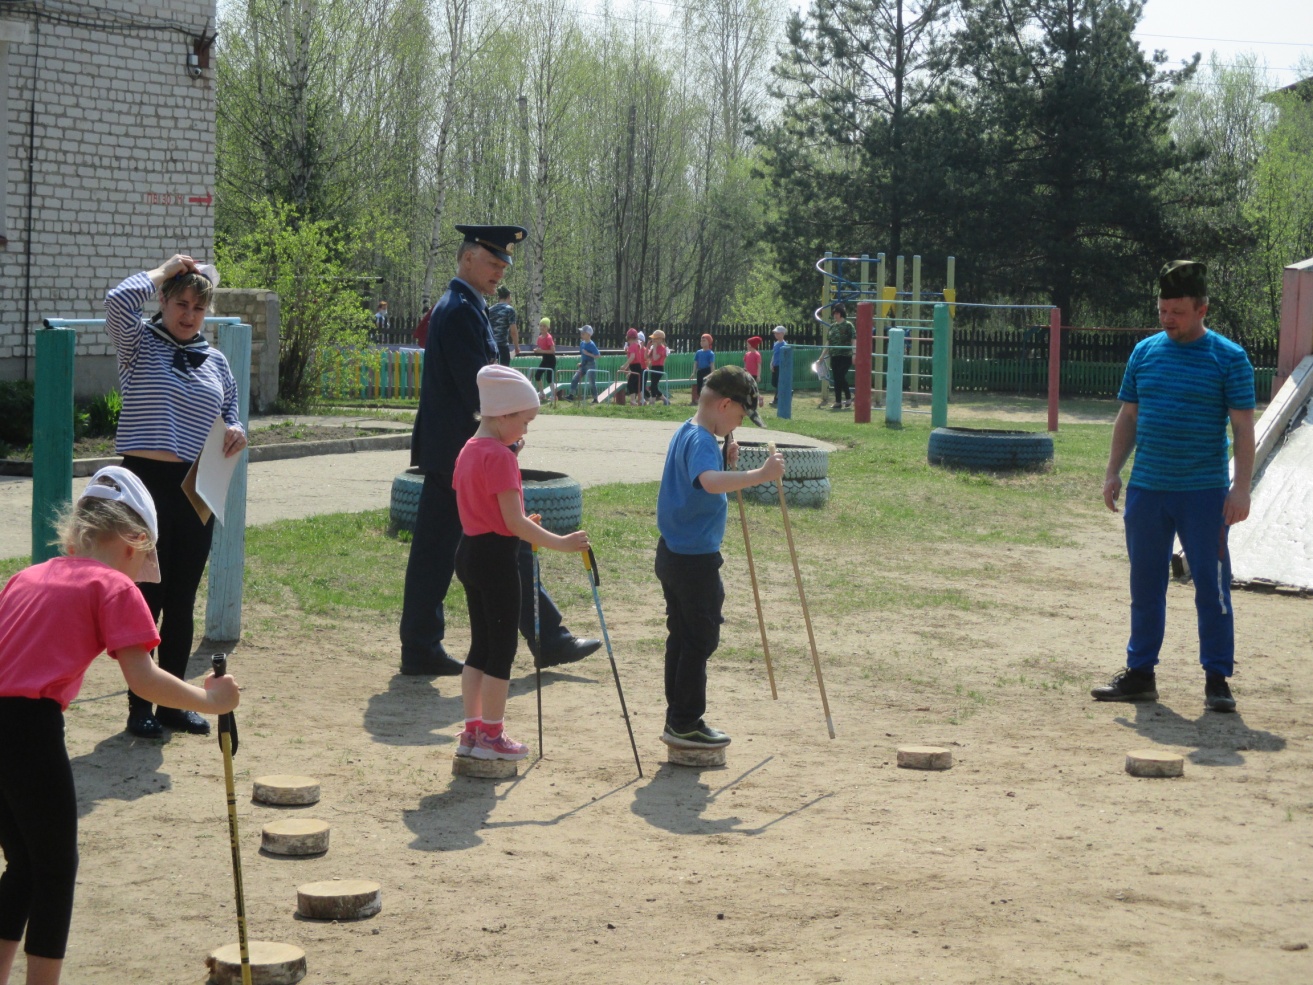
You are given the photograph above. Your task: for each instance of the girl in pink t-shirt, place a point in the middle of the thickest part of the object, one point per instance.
(545, 346)
(55, 618)
(490, 501)
(656, 367)
(636, 360)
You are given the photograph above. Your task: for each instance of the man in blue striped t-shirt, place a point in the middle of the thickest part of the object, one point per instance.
(1180, 389)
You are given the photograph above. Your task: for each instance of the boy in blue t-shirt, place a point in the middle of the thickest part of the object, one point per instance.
(704, 361)
(588, 353)
(691, 508)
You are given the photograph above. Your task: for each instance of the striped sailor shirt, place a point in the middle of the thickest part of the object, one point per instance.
(166, 406)
(1184, 392)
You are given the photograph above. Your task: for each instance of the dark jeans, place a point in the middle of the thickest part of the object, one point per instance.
(430, 567)
(486, 566)
(38, 826)
(183, 549)
(839, 366)
(1153, 518)
(504, 353)
(695, 597)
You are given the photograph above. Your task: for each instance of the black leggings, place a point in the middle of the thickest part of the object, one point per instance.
(184, 547)
(487, 566)
(634, 382)
(654, 378)
(546, 371)
(38, 826)
(839, 366)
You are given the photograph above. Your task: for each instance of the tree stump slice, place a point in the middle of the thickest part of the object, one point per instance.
(286, 790)
(925, 758)
(271, 964)
(1154, 763)
(485, 769)
(339, 899)
(295, 836)
(681, 756)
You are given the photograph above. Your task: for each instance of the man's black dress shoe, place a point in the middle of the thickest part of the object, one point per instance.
(144, 725)
(567, 652)
(438, 664)
(190, 722)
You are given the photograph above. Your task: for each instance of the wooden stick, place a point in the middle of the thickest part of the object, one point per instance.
(802, 597)
(752, 573)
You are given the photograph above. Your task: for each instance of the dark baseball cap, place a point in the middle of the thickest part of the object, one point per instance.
(733, 382)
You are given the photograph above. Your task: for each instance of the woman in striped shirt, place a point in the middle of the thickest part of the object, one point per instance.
(174, 385)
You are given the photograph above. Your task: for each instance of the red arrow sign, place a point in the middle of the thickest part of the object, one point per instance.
(197, 200)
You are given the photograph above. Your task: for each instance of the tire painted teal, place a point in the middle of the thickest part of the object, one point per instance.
(554, 495)
(988, 450)
(810, 493)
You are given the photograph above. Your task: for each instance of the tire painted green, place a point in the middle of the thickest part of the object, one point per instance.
(810, 493)
(985, 449)
(554, 495)
(800, 461)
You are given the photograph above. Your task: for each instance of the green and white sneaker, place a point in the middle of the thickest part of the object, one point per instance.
(700, 736)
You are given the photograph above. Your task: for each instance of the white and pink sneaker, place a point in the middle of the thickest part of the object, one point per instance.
(465, 743)
(502, 747)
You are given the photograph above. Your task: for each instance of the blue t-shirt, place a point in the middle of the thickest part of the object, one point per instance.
(691, 520)
(704, 358)
(588, 353)
(775, 351)
(1183, 391)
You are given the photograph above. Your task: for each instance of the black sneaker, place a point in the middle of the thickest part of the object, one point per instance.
(191, 722)
(700, 736)
(143, 724)
(1129, 685)
(1217, 694)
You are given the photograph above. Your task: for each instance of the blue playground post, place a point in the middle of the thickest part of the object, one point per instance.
(940, 364)
(52, 436)
(893, 395)
(784, 396)
(223, 607)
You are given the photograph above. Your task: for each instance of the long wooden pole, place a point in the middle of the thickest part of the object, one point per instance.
(802, 597)
(756, 592)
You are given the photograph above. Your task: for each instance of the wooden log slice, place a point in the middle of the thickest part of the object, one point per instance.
(295, 836)
(1154, 763)
(284, 789)
(271, 964)
(339, 899)
(683, 756)
(925, 758)
(486, 769)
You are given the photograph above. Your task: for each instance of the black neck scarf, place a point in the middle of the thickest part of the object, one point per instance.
(186, 355)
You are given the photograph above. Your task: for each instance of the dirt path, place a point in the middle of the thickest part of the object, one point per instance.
(1036, 859)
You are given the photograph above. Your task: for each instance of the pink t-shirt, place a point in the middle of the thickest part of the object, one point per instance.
(634, 352)
(752, 362)
(656, 355)
(57, 617)
(546, 343)
(484, 468)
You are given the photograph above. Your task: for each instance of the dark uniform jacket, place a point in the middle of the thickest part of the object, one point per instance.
(459, 345)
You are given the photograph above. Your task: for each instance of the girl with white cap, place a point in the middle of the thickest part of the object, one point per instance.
(55, 619)
(490, 500)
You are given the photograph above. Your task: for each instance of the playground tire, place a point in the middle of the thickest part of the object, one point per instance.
(800, 461)
(989, 450)
(809, 493)
(554, 495)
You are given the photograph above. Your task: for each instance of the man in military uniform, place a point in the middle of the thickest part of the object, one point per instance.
(459, 344)
(1181, 387)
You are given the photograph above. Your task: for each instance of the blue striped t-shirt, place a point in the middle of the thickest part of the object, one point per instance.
(1184, 391)
(163, 410)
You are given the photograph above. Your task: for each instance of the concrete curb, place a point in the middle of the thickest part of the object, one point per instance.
(83, 467)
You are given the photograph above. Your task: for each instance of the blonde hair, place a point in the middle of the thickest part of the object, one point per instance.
(192, 281)
(84, 524)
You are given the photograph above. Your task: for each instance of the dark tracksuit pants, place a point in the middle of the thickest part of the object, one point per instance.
(694, 597)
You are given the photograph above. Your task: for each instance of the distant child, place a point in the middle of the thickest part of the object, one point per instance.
(490, 501)
(656, 367)
(752, 358)
(588, 353)
(776, 352)
(691, 508)
(636, 360)
(55, 619)
(545, 346)
(704, 361)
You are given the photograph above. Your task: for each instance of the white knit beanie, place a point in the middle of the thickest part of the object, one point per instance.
(503, 390)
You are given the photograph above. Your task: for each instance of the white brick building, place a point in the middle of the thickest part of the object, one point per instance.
(107, 129)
